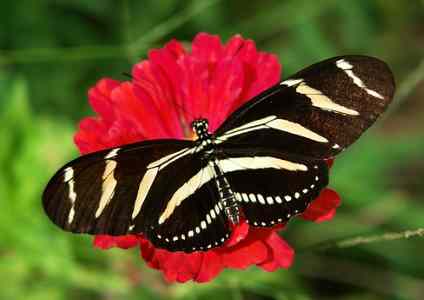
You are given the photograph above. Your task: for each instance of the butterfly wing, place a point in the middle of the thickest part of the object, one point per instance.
(159, 188)
(317, 112)
(197, 223)
(272, 186)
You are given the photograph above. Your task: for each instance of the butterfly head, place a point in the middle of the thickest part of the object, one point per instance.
(200, 127)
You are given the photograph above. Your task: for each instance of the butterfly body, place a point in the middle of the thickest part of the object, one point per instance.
(207, 150)
(264, 164)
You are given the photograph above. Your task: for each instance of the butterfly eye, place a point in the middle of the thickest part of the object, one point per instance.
(200, 126)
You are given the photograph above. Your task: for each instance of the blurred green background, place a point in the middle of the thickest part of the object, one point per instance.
(51, 52)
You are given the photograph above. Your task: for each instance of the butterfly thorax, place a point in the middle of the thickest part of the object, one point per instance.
(206, 146)
(205, 140)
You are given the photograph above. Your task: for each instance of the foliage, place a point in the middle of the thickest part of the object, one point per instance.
(53, 51)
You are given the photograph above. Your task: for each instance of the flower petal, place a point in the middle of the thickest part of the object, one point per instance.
(243, 255)
(226, 84)
(280, 254)
(323, 208)
(207, 48)
(124, 242)
(211, 266)
(238, 233)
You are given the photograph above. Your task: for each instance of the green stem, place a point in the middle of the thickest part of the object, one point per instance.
(367, 239)
(407, 87)
(60, 54)
(143, 43)
(77, 53)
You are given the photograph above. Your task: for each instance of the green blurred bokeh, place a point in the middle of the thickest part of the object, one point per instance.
(51, 52)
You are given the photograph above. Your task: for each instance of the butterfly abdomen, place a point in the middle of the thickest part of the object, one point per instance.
(226, 195)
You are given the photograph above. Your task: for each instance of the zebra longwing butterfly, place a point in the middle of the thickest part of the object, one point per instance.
(265, 163)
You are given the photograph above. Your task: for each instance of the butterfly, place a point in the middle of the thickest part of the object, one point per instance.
(264, 164)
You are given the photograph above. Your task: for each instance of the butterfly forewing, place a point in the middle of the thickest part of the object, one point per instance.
(317, 112)
(103, 192)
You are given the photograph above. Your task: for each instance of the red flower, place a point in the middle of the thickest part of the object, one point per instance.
(166, 92)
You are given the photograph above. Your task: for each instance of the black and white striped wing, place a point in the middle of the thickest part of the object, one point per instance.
(197, 223)
(152, 188)
(272, 187)
(317, 112)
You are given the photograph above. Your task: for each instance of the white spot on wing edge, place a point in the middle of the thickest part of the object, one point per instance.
(260, 199)
(203, 225)
(270, 200)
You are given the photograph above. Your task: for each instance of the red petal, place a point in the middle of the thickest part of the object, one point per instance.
(245, 254)
(207, 47)
(175, 48)
(211, 266)
(268, 73)
(99, 98)
(226, 84)
(238, 233)
(280, 254)
(90, 134)
(124, 242)
(323, 208)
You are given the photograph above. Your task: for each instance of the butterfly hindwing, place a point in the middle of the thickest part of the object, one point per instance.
(198, 223)
(317, 112)
(271, 186)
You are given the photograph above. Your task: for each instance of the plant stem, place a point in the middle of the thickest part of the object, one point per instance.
(128, 50)
(367, 239)
(407, 87)
(143, 42)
